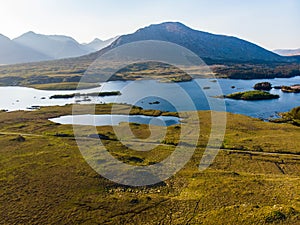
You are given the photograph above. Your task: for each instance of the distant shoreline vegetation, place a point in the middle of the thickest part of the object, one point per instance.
(292, 117)
(94, 94)
(252, 95)
(249, 71)
(55, 76)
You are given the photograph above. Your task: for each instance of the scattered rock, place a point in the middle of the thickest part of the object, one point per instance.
(134, 201)
(34, 107)
(20, 138)
(275, 216)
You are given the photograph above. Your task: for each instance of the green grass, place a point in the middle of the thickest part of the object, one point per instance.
(45, 180)
(252, 95)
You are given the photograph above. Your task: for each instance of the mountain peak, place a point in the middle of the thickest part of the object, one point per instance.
(97, 40)
(171, 25)
(166, 26)
(98, 44)
(30, 33)
(61, 38)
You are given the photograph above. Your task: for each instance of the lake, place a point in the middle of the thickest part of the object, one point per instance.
(151, 94)
(112, 120)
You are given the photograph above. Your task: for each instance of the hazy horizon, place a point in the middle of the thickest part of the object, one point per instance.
(270, 24)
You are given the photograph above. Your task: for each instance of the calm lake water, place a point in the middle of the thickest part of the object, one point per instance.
(151, 94)
(112, 120)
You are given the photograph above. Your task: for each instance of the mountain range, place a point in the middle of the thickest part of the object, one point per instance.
(33, 47)
(287, 52)
(212, 48)
(12, 52)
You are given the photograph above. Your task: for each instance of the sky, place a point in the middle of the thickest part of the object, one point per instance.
(272, 24)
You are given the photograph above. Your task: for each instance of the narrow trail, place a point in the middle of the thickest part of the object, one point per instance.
(262, 153)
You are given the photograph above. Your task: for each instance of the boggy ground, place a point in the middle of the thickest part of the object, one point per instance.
(255, 179)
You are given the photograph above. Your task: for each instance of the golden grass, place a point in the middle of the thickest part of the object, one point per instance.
(45, 180)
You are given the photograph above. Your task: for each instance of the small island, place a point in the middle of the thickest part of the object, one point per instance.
(154, 103)
(94, 94)
(291, 89)
(263, 86)
(252, 95)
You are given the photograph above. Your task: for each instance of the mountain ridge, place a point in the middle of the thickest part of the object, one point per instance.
(55, 46)
(288, 52)
(34, 47)
(206, 45)
(98, 44)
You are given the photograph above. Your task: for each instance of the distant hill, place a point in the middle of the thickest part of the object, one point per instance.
(54, 46)
(33, 47)
(98, 44)
(12, 52)
(288, 52)
(209, 47)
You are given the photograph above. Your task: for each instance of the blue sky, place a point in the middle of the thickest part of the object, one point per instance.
(270, 23)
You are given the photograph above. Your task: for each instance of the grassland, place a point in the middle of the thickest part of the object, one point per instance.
(44, 179)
